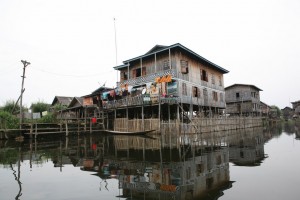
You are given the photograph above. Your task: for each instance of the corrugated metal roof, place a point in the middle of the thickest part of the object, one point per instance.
(247, 85)
(159, 48)
(62, 100)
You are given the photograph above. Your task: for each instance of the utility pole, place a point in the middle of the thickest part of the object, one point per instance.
(25, 64)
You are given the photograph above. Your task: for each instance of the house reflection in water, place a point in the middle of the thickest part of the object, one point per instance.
(248, 150)
(151, 169)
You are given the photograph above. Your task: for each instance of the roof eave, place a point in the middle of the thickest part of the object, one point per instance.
(126, 62)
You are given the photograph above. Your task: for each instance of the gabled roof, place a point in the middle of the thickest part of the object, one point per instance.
(76, 102)
(287, 108)
(156, 48)
(263, 103)
(62, 100)
(245, 85)
(98, 91)
(160, 48)
(101, 90)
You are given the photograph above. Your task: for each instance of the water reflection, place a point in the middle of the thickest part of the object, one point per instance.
(158, 167)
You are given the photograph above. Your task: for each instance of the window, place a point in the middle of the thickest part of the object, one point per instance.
(166, 65)
(221, 97)
(184, 66)
(237, 95)
(253, 94)
(213, 79)
(138, 72)
(184, 89)
(215, 96)
(144, 71)
(124, 75)
(204, 76)
(196, 92)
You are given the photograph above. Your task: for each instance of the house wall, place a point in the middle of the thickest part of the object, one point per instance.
(206, 92)
(248, 99)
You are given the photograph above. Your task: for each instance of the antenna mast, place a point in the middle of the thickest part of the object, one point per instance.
(116, 48)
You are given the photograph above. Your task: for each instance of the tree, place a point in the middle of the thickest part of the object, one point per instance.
(10, 106)
(39, 106)
(7, 120)
(277, 111)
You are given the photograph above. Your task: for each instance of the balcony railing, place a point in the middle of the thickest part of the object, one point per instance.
(154, 100)
(139, 100)
(148, 78)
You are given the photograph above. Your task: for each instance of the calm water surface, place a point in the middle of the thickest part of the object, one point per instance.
(247, 164)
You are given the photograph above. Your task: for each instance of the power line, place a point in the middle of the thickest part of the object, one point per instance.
(72, 75)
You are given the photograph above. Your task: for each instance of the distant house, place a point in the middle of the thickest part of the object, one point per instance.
(75, 107)
(243, 99)
(287, 113)
(62, 101)
(94, 101)
(295, 104)
(265, 109)
(296, 107)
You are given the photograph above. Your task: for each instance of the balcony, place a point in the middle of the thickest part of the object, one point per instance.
(148, 78)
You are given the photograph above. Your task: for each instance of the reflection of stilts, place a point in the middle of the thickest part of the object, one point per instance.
(105, 184)
(17, 178)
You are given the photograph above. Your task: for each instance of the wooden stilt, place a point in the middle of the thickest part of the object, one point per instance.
(67, 130)
(85, 118)
(143, 120)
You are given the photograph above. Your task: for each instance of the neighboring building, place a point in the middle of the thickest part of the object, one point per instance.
(295, 104)
(75, 108)
(296, 107)
(287, 113)
(248, 150)
(166, 82)
(265, 109)
(243, 99)
(62, 101)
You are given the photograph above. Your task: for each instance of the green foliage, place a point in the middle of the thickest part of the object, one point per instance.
(59, 107)
(278, 111)
(10, 106)
(50, 118)
(39, 107)
(7, 120)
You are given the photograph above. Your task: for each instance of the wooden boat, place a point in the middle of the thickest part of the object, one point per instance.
(128, 133)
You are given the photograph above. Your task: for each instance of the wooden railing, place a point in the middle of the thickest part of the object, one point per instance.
(148, 78)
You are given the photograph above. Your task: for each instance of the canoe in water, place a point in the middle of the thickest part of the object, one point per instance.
(128, 133)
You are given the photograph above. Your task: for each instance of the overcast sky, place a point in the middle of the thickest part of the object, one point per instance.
(71, 43)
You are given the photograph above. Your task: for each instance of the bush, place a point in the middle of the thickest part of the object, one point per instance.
(50, 118)
(10, 106)
(39, 107)
(7, 120)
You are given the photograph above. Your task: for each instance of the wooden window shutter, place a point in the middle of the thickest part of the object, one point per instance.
(134, 73)
(194, 91)
(122, 75)
(184, 89)
(184, 66)
(144, 72)
(199, 92)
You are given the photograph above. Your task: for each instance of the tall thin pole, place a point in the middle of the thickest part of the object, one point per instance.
(25, 64)
(116, 47)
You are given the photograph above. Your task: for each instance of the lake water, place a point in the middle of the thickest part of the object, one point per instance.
(247, 164)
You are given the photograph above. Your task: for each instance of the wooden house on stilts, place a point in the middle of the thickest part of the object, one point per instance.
(165, 88)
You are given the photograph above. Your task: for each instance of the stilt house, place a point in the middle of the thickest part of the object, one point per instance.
(243, 99)
(165, 83)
